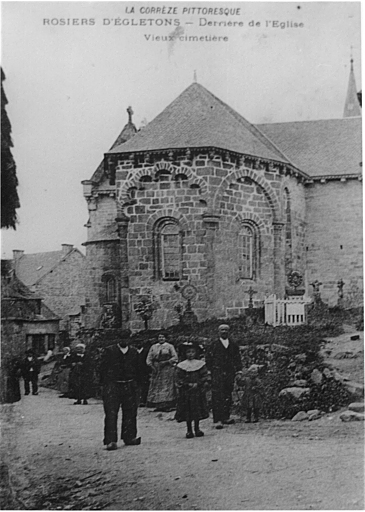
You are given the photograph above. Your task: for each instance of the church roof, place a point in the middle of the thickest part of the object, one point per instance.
(128, 131)
(197, 118)
(352, 107)
(330, 147)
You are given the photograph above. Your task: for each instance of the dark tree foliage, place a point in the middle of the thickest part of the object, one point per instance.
(9, 180)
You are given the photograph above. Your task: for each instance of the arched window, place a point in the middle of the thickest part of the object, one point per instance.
(168, 242)
(110, 287)
(248, 252)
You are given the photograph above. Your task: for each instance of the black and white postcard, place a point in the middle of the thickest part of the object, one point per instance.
(182, 256)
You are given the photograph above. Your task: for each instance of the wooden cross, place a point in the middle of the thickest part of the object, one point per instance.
(251, 293)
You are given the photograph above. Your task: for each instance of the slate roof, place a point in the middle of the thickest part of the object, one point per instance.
(13, 288)
(108, 233)
(30, 268)
(197, 118)
(128, 131)
(330, 147)
(20, 302)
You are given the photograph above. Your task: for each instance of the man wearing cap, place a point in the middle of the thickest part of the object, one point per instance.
(120, 377)
(224, 363)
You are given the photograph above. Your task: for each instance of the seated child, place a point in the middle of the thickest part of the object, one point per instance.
(253, 392)
(191, 383)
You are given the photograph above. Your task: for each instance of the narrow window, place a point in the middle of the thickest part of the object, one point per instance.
(247, 253)
(168, 252)
(110, 289)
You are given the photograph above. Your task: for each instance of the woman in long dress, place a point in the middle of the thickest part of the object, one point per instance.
(162, 359)
(62, 370)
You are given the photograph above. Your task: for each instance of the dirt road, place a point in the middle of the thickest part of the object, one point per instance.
(57, 461)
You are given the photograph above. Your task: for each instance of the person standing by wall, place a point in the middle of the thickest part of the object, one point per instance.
(162, 358)
(62, 370)
(120, 377)
(253, 393)
(30, 372)
(79, 380)
(224, 363)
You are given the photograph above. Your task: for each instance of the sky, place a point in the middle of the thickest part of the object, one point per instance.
(70, 82)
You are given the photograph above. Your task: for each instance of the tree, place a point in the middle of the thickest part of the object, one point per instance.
(9, 180)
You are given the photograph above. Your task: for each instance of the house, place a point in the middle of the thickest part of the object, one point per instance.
(203, 206)
(25, 317)
(58, 277)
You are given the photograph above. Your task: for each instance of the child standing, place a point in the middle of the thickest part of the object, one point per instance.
(253, 392)
(191, 383)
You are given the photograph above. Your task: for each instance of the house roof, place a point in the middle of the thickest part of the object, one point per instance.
(330, 147)
(197, 118)
(19, 302)
(13, 288)
(30, 268)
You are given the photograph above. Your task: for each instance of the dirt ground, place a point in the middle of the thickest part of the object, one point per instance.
(57, 461)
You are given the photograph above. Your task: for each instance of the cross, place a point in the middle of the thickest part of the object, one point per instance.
(130, 113)
(251, 293)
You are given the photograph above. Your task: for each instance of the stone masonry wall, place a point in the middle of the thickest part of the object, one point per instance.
(334, 239)
(101, 257)
(210, 197)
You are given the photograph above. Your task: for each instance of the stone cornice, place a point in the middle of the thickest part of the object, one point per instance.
(333, 177)
(259, 163)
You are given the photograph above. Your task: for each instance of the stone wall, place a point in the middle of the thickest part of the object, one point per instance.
(102, 257)
(334, 239)
(210, 197)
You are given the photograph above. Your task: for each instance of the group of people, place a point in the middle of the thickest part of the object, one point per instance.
(73, 374)
(138, 376)
(127, 374)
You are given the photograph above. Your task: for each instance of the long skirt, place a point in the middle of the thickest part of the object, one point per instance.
(63, 381)
(162, 392)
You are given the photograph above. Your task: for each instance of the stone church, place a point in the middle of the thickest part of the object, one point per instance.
(202, 206)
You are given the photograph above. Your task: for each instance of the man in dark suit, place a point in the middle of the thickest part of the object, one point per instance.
(30, 372)
(224, 363)
(120, 376)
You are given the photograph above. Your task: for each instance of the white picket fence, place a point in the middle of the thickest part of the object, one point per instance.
(286, 311)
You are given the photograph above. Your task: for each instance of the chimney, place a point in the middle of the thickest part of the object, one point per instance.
(66, 248)
(17, 254)
(16, 257)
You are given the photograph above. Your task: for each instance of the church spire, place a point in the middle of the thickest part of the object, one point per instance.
(352, 107)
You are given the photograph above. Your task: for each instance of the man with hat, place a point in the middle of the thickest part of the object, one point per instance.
(120, 377)
(30, 372)
(224, 363)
